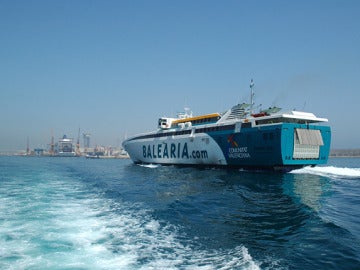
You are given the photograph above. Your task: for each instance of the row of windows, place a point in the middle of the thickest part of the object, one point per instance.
(184, 132)
(205, 120)
(216, 128)
(202, 121)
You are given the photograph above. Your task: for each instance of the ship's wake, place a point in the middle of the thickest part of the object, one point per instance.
(103, 233)
(330, 171)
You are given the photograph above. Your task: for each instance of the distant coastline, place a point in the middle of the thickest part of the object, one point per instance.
(345, 153)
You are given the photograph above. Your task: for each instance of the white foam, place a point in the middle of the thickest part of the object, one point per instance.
(151, 166)
(153, 225)
(59, 224)
(330, 171)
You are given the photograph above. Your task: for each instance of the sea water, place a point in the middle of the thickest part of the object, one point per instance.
(77, 213)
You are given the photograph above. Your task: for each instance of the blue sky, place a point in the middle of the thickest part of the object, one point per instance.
(113, 67)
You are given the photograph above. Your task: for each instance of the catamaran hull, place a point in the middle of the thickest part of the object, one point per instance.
(199, 150)
(275, 147)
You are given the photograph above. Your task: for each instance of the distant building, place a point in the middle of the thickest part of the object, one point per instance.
(86, 137)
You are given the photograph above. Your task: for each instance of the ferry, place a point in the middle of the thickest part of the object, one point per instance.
(238, 138)
(65, 148)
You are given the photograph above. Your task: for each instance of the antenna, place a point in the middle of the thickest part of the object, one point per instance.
(303, 108)
(251, 95)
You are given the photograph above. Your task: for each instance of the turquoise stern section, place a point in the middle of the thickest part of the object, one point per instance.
(287, 144)
(271, 146)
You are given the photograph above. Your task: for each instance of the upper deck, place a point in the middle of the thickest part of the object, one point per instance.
(239, 114)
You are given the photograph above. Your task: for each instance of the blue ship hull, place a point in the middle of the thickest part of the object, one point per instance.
(270, 147)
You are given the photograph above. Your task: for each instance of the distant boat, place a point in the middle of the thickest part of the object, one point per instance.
(65, 147)
(101, 152)
(269, 139)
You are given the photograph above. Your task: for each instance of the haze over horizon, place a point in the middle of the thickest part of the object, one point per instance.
(113, 68)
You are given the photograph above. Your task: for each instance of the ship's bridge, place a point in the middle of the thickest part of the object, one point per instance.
(165, 122)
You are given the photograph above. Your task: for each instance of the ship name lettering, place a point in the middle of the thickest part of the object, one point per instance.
(173, 150)
(239, 152)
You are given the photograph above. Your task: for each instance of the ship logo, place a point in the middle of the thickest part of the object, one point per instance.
(235, 151)
(232, 141)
